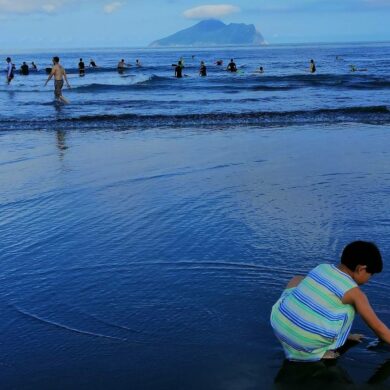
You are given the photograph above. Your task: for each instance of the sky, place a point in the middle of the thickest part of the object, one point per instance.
(35, 24)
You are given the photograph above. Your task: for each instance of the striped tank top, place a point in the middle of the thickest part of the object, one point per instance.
(311, 319)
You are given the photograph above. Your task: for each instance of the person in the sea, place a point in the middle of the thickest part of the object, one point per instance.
(202, 69)
(179, 70)
(260, 70)
(232, 67)
(81, 68)
(314, 315)
(122, 64)
(10, 70)
(313, 68)
(138, 63)
(219, 62)
(353, 68)
(24, 69)
(59, 76)
(92, 63)
(33, 66)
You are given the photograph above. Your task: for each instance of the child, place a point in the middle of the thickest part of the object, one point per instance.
(314, 315)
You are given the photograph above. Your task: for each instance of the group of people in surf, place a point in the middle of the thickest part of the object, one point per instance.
(81, 66)
(24, 69)
(58, 72)
(231, 67)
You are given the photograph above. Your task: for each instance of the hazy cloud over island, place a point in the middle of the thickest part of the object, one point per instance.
(112, 7)
(213, 11)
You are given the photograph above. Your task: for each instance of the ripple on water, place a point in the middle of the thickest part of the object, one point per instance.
(184, 302)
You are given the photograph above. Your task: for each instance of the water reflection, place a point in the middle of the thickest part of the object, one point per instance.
(323, 374)
(381, 374)
(318, 375)
(61, 142)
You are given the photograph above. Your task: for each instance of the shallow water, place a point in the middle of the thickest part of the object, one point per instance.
(148, 227)
(150, 259)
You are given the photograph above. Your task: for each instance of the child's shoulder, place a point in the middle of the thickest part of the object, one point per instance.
(322, 267)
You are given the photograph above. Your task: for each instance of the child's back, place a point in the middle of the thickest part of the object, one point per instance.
(314, 315)
(311, 319)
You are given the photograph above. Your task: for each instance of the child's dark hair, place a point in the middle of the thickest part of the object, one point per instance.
(362, 253)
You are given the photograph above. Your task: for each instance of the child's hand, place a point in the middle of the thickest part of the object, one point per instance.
(356, 337)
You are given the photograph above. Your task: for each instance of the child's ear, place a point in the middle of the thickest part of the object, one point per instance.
(360, 268)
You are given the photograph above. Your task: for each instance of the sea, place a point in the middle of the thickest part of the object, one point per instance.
(147, 228)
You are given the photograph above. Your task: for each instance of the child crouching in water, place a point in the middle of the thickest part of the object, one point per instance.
(314, 315)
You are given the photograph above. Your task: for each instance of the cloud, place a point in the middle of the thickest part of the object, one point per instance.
(112, 7)
(211, 11)
(29, 6)
(316, 6)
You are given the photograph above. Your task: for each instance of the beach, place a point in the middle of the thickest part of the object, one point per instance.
(148, 227)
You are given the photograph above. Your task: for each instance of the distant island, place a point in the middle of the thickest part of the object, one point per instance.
(213, 33)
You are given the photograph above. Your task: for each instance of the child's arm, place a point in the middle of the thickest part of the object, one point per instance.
(357, 298)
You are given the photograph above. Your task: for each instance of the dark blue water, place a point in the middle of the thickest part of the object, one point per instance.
(144, 249)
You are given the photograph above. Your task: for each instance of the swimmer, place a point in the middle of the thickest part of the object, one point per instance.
(92, 63)
(202, 69)
(260, 70)
(138, 63)
(219, 62)
(355, 69)
(33, 66)
(232, 67)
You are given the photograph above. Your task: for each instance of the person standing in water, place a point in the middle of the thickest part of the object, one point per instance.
(138, 63)
(24, 69)
(232, 67)
(122, 65)
(92, 63)
(59, 76)
(81, 68)
(10, 70)
(313, 68)
(202, 69)
(33, 66)
(179, 70)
